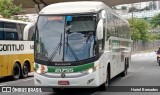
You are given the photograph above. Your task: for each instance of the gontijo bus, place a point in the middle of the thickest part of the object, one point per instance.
(80, 44)
(16, 55)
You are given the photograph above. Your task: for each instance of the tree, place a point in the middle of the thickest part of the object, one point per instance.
(7, 8)
(155, 21)
(139, 29)
(124, 8)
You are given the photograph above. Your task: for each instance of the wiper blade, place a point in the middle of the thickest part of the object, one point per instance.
(73, 53)
(56, 50)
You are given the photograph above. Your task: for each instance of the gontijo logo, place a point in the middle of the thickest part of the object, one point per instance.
(11, 47)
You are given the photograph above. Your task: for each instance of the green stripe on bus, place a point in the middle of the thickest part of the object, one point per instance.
(80, 68)
(37, 66)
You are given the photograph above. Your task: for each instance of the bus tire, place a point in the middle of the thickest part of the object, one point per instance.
(25, 70)
(102, 87)
(108, 75)
(16, 72)
(124, 73)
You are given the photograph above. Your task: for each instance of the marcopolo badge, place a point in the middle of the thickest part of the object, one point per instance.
(63, 75)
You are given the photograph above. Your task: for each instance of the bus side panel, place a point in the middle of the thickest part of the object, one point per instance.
(20, 58)
(17, 51)
(3, 65)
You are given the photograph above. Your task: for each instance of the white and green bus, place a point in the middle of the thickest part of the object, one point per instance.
(80, 44)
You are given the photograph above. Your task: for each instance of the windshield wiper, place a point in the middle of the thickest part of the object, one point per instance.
(73, 53)
(56, 50)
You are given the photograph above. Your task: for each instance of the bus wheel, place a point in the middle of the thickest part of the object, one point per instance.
(107, 78)
(102, 87)
(124, 73)
(25, 70)
(16, 72)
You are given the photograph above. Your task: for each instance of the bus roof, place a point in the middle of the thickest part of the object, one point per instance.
(73, 7)
(13, 21)
(77, 7)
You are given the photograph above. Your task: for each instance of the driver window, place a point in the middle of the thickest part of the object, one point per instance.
(102, 42)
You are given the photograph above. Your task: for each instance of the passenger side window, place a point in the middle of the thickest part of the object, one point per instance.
(31, 33)
(1, 35)
(10, 31)
(102, 42)
(11, 36)
(20, 29)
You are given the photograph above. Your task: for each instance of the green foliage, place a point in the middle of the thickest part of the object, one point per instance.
(19, 18)
(154, 36)
(155, 21)
(139, 29)
(7, 8)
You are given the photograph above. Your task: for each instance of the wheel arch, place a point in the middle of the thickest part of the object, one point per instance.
(109, 69)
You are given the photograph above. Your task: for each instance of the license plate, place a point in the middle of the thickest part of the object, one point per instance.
(63, 82)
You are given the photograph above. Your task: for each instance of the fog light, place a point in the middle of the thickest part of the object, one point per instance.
(38, 81)
(89, 81)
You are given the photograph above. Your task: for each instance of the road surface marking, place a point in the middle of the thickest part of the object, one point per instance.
(3, 84)
(28, 79)
(95, 93)
(127, 76)
(14, 82)
(141, 68)
(132, 73)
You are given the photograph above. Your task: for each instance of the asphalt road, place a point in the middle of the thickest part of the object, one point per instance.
(143, 71)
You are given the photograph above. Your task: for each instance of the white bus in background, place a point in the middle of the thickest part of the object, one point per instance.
(80, 44)
(16, 55)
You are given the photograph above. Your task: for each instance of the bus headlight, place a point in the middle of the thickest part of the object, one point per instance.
(40, 71)
(91, 70)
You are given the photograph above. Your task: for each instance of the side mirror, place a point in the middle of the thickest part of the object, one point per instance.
(103, 14)
(99, 31)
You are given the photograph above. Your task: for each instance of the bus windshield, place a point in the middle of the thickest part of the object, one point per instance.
(65, 38)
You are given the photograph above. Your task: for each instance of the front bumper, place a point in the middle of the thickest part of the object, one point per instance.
(87, 81)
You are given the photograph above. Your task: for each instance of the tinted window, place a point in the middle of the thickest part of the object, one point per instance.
(1, 35)
(10, 25)
(1, 31)
(31, 33)
(10, 30)
(20, 29)
(11, 36)
(1, 24)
